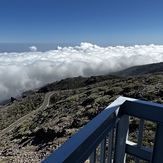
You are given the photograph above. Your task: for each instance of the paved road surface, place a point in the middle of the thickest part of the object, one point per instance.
(22, 119)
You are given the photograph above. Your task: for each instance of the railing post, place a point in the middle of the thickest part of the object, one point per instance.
(158, 145)
(83, 144)
(120, 141)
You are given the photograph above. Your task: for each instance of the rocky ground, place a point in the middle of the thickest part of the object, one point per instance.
(71, 107)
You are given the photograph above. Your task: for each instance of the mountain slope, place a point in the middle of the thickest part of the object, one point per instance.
(71, 107)
(140, 70)
(76, 82)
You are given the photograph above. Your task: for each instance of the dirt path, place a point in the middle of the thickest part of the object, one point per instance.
(22, 119)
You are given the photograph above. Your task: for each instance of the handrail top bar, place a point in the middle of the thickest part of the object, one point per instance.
(143, 109)
(139, 108)
(121, 99)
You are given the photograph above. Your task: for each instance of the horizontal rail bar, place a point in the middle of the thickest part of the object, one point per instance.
(140, 152)
(142, 109)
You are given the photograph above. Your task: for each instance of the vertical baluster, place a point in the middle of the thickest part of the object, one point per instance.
(140, 136)
(157, 156)
(102, 151)
(110, 146)
(120, 141)
(93, 157)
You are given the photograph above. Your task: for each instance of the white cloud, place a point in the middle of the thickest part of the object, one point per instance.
(29, 70)
(33, 48)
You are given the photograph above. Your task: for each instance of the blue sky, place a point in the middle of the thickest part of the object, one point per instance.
(101, 22)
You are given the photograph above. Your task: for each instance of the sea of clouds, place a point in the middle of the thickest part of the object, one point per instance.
(29, 70)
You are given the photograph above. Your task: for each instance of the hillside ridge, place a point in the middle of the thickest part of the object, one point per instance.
(141, 69)
(75, 102)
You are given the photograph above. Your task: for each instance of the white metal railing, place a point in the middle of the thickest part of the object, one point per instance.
(110, 130)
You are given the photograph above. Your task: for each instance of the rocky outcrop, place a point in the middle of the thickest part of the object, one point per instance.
(13, 99)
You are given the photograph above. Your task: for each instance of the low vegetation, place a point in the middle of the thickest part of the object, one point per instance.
(19, 108)
(71, 107)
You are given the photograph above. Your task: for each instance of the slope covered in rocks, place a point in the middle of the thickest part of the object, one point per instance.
(74, 103)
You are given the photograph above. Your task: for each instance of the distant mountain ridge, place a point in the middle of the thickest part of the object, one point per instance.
(75, 82)
(141, 70)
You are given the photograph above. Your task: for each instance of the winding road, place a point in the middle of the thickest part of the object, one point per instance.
(22, 119)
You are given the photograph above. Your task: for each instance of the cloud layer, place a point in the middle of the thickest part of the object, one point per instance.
(24, 71)
(33, 48)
